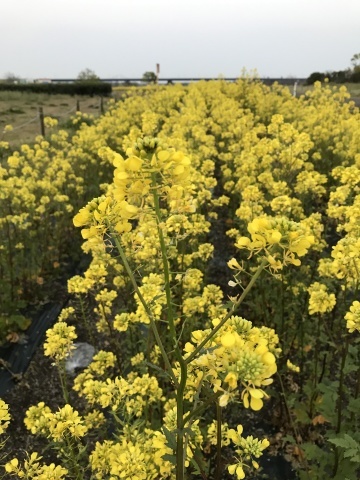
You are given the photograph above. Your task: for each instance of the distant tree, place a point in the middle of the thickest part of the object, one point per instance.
(355, 60)
(355, 74)
(149, 77)
(87, 75)
(11, 78)
(315, 77)
(340, 76)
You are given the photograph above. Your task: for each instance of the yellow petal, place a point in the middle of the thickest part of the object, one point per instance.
(134, 164)
(234, 264)
(242, 242)
(255, 393)
(163, 155)
(228, 340)
(82, 218)
(268, 358)
(256, 403)
(240, 472)
(179, 170)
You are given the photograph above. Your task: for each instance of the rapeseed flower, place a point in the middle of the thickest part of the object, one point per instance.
(59, 341)
(320, 301)
(353, 317)
(4, 416)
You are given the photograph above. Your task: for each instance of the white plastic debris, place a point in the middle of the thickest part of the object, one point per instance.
(80, 357)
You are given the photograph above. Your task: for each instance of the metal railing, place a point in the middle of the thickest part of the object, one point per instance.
(182, 80)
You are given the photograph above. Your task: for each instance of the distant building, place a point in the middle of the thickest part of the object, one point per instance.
(42, 80)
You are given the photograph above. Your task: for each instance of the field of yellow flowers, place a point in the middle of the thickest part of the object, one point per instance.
(163, 183)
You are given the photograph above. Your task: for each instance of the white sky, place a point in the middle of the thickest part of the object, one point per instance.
(189, 38)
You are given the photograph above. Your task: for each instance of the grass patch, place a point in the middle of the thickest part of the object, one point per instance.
(16, 110)
(20, 109)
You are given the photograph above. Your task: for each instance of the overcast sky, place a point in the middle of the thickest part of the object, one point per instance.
(188, 38)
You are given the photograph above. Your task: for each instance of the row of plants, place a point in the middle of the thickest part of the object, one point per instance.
(42, 185)
(168, 396)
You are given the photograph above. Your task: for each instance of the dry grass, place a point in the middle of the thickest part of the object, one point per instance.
(21, 110)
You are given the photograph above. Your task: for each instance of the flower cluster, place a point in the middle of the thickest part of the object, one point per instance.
(33, 469)
(247, 449)
(4, 416)
(239, 357)
(353, 317)
(66, 422)
(131, 193)
(59, 341)
(279, 239)
(320, 300)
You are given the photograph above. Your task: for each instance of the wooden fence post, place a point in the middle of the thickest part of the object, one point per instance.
(295, 88)
(42, 124)
(78, 105)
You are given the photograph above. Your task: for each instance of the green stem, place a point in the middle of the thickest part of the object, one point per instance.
(146, 307)
(341, 386)
(201, 407)
(316, 367)
(112, 338)
(170, 314)
(180, 454)
(282, 334)
(62, 376)
(336, 462)
(74, 459)
(11, 261)
(226, 318)
(295, 432)
(218, 442)
(86, 321)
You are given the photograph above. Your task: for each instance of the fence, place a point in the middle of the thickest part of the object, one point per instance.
(184, 80)
(40, 117)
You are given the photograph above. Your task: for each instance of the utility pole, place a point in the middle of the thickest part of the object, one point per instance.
(157, 72)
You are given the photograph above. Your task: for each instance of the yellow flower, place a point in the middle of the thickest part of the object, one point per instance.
(320, 301)
(59, 341)
(82, 218)
(228, 340)
(292, 367)
(237, 470)
(4, 416)
(12, 466)
(255, 396)
(234, 264)
(66, 422)
(353, 317)
(133, 163)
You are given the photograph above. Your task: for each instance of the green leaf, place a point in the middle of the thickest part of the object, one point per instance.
(353, 443)
(352, 453)
(345, 442)
(169, 458)
(354, 405)
(171, 438)
(355, 458)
